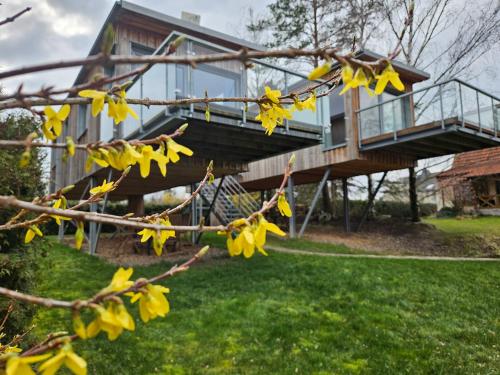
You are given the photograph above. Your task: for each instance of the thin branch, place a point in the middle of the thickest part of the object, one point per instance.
(242, 55)
(15, 16)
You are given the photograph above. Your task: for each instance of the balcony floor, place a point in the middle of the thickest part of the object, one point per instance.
(434, 139)
(226, 138)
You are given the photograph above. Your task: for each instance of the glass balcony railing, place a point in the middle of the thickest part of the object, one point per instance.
(221, 79)
(440, 105)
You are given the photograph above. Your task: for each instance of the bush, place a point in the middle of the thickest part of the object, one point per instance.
(17, 272)
(17, 261)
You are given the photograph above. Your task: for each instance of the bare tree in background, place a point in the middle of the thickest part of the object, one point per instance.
(429, 43)
(318, 23)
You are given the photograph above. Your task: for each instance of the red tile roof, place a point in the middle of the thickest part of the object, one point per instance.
(474, 164)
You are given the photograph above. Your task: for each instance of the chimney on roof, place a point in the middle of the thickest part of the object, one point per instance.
(190, 17)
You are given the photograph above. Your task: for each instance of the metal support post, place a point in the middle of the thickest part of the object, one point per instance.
(314, 202)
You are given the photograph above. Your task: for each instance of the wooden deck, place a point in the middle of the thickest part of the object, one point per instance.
(433, 139)
(425, 127)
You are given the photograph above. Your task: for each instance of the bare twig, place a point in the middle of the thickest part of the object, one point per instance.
(15, 16)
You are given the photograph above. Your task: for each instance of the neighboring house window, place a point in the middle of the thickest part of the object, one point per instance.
(82, 119)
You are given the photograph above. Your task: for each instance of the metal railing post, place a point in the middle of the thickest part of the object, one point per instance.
(360, 133)
(478, 112)
(440, 89)
(495, 117)
(287, 125)
(461, 104)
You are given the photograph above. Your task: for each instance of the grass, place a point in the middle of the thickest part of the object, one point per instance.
(287, 314)
(296, 244)
(466, 226)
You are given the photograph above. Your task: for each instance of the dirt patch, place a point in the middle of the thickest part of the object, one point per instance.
(122, 250)
(400, 238)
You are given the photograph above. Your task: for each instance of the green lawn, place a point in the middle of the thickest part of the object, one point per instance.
(288, 314)
(295, 243)
(479, 225)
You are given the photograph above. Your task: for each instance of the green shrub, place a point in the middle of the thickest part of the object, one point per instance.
(17, 261)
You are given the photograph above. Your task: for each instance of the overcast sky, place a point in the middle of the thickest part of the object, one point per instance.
(56, 29)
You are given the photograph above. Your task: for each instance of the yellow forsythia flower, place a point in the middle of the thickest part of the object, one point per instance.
(272, 95)
(120, 280)
(103, 188)
(271, 115)
(31, 232)
(250, 237)
(52, 126)
(388, 75)
(112, 320)
(59, 203)
(319, 71)
(79, 235)
(358, 80)
(98, 98)
(173, 150)
(152, 302)
(66, 356)
(159, 237)
(309, 103)
(347, 74)
(207, 114)
(263, 227)
(70, 146)
(120, 110)
(21, 365)
(25, 159)
(283, 206)
(79, 326)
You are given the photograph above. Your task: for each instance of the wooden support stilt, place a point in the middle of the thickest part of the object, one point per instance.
(347, 219)
(413, 195)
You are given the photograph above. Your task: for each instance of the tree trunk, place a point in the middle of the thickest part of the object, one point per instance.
(413, 195)
(327, 202)
(370, 194)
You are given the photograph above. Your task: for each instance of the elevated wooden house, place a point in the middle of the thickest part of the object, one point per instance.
(232, 138)
(349, 135)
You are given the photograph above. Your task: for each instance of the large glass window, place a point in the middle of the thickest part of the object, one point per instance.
(384, 118)
(335, 135)
(218, 83)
